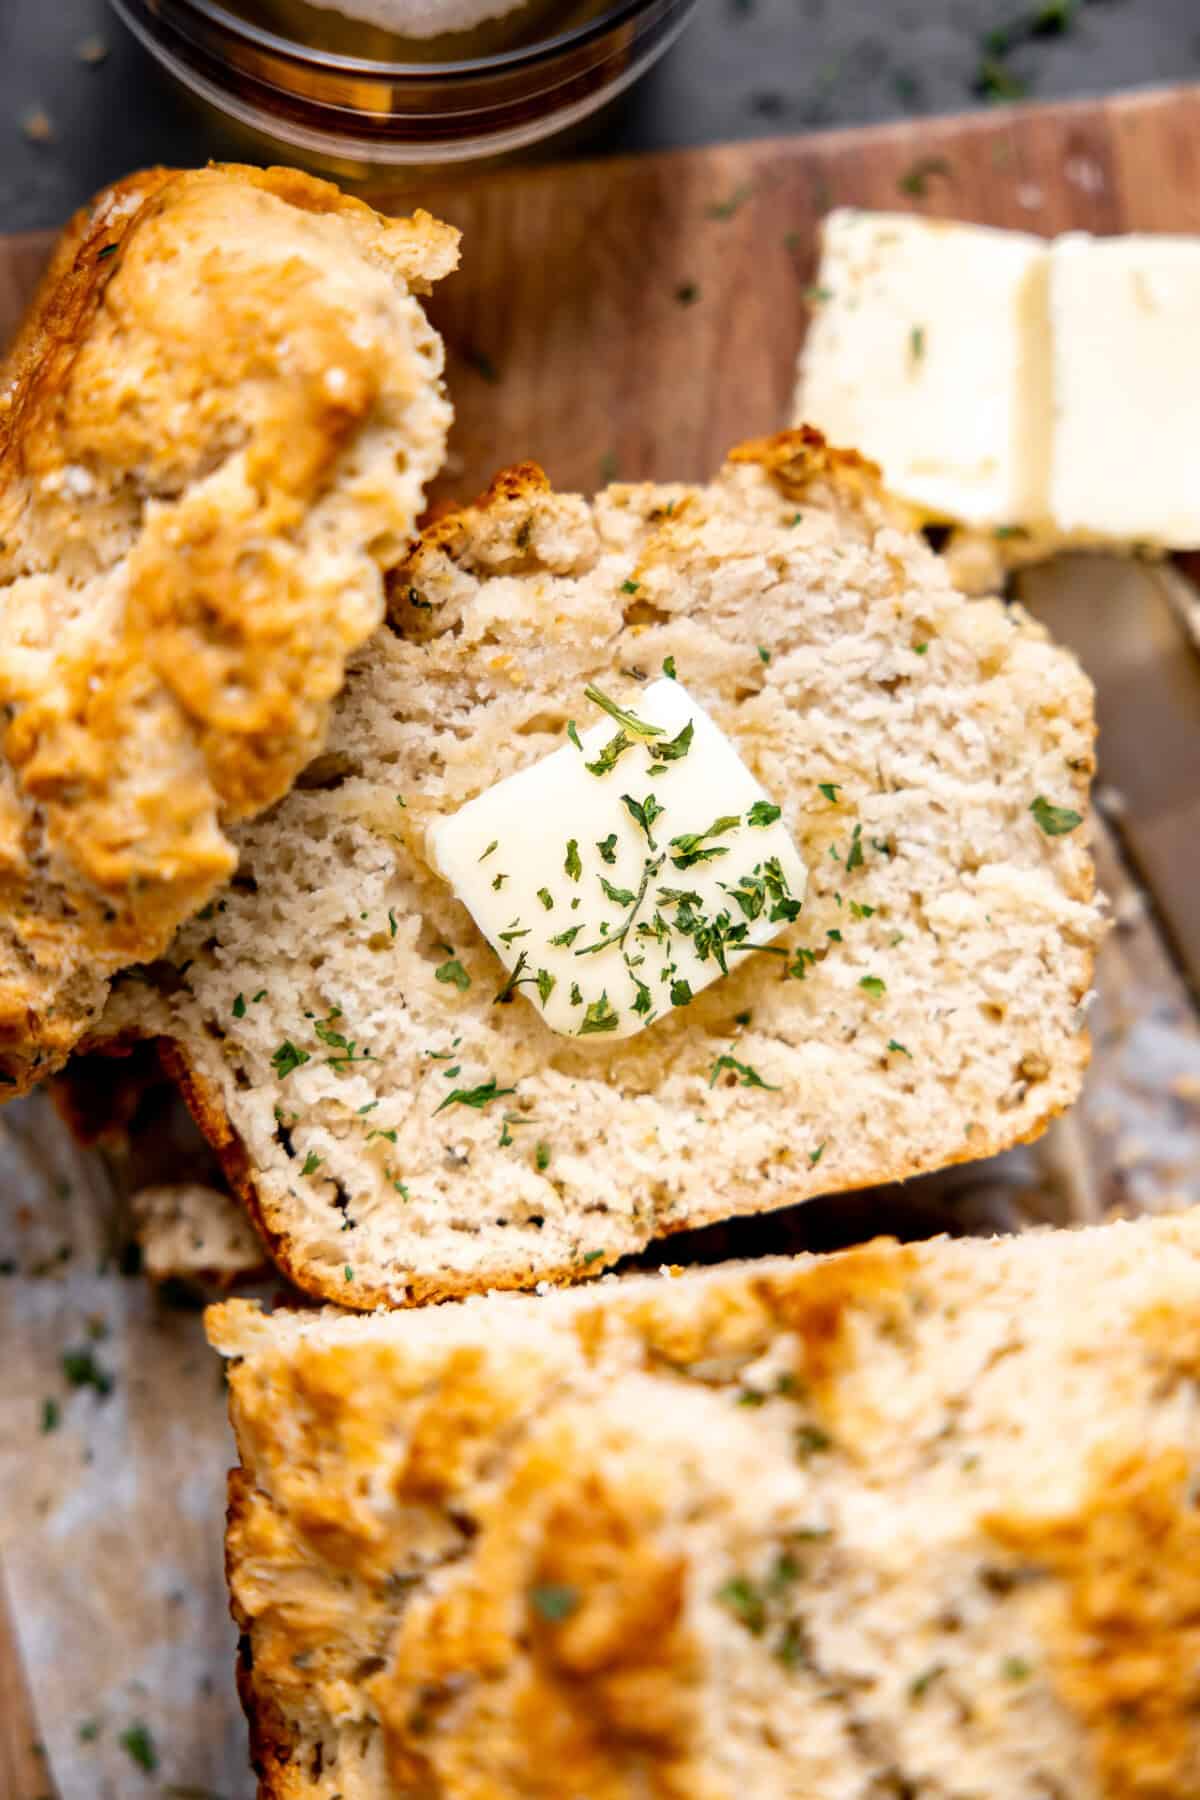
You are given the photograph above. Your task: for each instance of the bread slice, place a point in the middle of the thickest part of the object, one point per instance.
(905, 732)
(904, 1521)
(191, 1233)
(215, 425)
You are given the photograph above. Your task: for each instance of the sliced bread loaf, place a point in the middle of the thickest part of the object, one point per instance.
(215, 426)
(904, 1521)
(400, 1136)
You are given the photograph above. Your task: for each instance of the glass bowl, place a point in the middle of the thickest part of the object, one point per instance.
(298, 83)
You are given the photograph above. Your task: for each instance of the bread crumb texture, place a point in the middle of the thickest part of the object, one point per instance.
(215, 425)
(907, 1521)
(326, 1012)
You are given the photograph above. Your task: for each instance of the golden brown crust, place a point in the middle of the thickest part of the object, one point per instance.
(644, 1540)
(195, 421)
(1125, 1621)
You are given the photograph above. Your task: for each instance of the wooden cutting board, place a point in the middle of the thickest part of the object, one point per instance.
(625, 318)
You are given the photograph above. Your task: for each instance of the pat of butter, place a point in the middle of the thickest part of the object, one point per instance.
(929, 352)
(1126, 388)
(606, 920)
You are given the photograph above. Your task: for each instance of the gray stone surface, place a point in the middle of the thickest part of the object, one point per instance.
(743, 68)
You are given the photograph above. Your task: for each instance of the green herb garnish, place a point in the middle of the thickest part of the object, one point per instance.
(554, 1601)
(669, 667)
(546, 898)
(453, 974)
(643, 813)
(478, 1097)
(747, 1077)
(608, 848)
(691, 847)
(920, 1685)
(598, 1017)
(628, 721)
(725, 209)
(873, 985)
(915, 179)
(745, 1601)
(673, 750)
(763, 812)
(1055, 821)
(138, 1745)
(810, 1440)
(345, 1049)
(610, 755)
(312, 1163)
(287, 1058)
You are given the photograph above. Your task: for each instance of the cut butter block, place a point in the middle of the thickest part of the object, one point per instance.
(1124, 315)
(618, 878)
(929, 353)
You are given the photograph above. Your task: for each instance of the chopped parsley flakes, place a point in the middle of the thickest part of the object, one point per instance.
(1055, 821)
(139, 1746)
(643, 813)
(610, 755)
(628, 721)
(746, 1076)
(599, 1016)
(693, 846)
(477, 1097)
(286, 1058)
(453, 974)
(553, 1601)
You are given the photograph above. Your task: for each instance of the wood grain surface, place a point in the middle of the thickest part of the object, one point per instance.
(634, 318)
